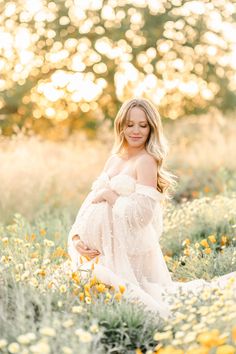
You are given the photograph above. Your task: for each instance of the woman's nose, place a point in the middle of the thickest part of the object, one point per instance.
(136, 128)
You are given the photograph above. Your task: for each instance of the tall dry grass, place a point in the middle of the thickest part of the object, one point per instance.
(36, 173)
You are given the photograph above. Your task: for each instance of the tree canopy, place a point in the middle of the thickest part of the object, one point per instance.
(72, 63)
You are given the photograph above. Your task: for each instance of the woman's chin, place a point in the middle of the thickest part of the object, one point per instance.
(135, 143)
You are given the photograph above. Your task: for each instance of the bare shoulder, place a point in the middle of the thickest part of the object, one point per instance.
(146, 169)
(110, 161)
(146, 159)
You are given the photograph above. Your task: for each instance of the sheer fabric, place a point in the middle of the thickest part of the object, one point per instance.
(127, 236)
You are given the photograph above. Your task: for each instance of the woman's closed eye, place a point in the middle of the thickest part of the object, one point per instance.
(141, 126)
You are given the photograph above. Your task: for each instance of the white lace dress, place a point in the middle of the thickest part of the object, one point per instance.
(127, 236)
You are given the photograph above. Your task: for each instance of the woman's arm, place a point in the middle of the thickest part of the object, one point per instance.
(106, 195)
(146, 171)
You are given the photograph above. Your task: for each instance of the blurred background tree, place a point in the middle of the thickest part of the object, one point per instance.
(68, 65)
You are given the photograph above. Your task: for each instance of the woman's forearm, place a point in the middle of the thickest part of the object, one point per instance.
(110, 196)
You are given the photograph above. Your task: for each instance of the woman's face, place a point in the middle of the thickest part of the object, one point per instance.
(137, 128)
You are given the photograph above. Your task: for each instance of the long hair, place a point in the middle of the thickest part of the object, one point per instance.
(156, 144)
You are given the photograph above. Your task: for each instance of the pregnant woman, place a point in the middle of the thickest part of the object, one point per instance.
(120, 221)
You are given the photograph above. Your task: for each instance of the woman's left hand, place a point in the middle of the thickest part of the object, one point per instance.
(105, 195)
(100, 196)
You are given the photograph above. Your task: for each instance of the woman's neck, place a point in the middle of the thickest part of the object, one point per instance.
(129, 152)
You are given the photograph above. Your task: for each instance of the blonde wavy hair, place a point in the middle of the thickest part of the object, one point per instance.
(156, 144)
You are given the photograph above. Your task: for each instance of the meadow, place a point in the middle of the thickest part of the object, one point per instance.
(47, 308)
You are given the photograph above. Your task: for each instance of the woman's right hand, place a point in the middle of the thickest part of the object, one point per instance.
(84, 250)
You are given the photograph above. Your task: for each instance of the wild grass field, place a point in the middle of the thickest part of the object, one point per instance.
(47, 308)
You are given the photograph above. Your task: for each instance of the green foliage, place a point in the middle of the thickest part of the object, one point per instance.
(126, 327)
(206, 266)
(198, 219)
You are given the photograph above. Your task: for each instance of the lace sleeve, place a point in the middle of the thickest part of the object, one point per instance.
(138, 208)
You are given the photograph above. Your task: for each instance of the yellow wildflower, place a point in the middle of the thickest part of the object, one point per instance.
(87, 287)
(224, 240)
(204, 243)
(118, 296)
(199, 350)
(207, 250)
(195, 194)
(81, 296)
(41, 272)
(75, 277)
(100, 288)
(34, 254)
(212, 238)
(42, 232)
(59, 252)
(210, 338)
(186, 242)
(170, 350)
(87, 293)
(207, 189)
(234, 334)
(33, 237)
(167, 258)
(187, 252)
(93, 281)
(225, 349)
(122, 288)
(5, 240)
(50, 284)
(138, 351)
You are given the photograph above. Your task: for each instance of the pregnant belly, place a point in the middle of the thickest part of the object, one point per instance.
(91, 225)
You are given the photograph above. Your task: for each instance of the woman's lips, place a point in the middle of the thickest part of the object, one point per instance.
(135, 137)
